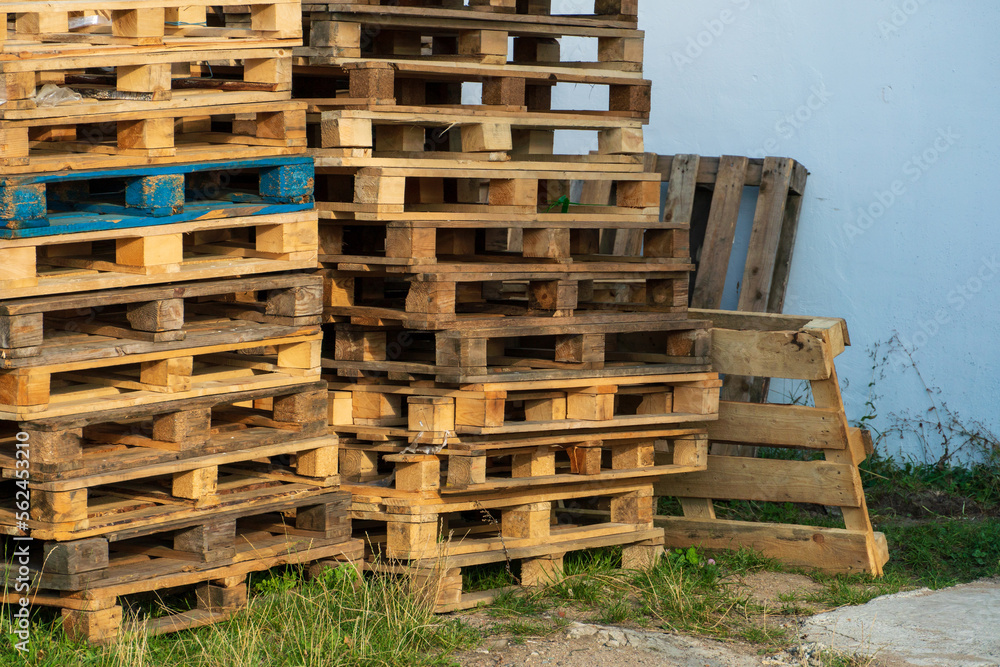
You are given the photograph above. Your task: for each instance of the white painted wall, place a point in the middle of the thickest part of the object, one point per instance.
(893, 106)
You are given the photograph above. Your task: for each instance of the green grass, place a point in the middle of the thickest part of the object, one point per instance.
(942, 524)
(335, 621)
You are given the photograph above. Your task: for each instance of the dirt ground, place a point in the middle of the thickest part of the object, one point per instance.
(582, 644)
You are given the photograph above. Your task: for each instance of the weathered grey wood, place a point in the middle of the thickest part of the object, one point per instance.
(720, 230)
(75, 557)
(162, 315)
(139, 411)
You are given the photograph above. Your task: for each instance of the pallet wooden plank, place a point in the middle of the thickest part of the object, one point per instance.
(834, 550)
(778, 426)
(769, 480)
(783, 354)
(720, 232)
(769, 217)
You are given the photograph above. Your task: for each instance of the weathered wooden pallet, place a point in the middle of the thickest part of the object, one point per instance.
(176, 494)
(415, 81)
(89, 579)
(130, 439)
(82, 201)
(172, 23)
(199, 250)
(470, 464)
(140, 78)
(633, 344)
(431, 415)
(454, 240)
(707, 194)
(623, 13)
(167, 135)
(462, 36)
(427, 189)
(537, 564)
(471, 132)
(29, 327)
(714, 215)
(800, 349)
(416, 526)
(232, 357)
(476, 294)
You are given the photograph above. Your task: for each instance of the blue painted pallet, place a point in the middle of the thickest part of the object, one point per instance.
(34, 205)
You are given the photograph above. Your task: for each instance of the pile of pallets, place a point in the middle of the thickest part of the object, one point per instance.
(163, 422)
(491, 359)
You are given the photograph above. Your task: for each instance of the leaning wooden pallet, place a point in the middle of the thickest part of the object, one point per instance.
(708, 192)
(802, 349)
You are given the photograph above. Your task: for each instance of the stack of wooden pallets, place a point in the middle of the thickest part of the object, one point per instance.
(163, 422)
(491, 358)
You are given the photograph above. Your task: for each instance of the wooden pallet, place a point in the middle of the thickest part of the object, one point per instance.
(242, 355)
(88, 579)
(101, 200)
(480, 464)
(538, 563)
(606, 13)
(477, 294)
(140, 77)
(432, 414)
(462, 36)
(151, 52)
(802, 349)
(415, 81)
(472, 132)
(43, 143)
(158, 497)
(427, 189)
(535, 350)
(707, 193)
(780, 184)
(128, 440)
(409, 524)
(173, 23)
(30, 327)
(207, 249)
(463, 238)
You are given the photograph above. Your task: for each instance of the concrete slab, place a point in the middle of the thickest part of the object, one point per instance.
(954, 627)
